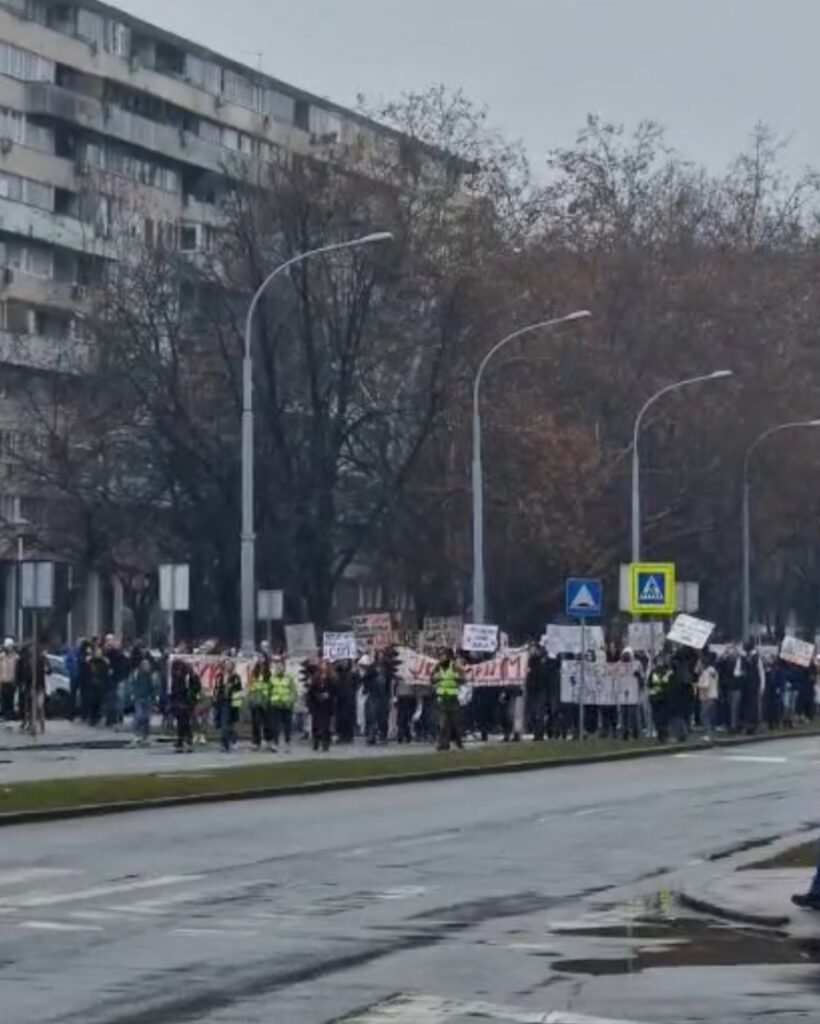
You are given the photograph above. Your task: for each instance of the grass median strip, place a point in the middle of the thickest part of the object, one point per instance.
(61, 794)
(803, 856)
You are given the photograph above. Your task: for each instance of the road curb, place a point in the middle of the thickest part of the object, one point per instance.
(706, 906)
(375, 781)
(51, 748)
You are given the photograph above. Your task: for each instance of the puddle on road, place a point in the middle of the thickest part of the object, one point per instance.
(658, 933)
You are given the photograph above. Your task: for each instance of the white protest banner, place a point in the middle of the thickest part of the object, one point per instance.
(691, 632)
(797, 652)
(373, 631)
(443, 632)
(560, 639)
(509, 669)
(479, 638)
(646, 636)
(339, 646)
(301, 640)
(207, 667)
(605, 685)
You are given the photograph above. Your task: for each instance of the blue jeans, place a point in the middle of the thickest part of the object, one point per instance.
(142, 717)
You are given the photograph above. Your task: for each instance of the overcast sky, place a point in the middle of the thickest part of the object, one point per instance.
(707, 69)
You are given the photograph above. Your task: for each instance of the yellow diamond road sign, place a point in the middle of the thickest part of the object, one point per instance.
(652, 588)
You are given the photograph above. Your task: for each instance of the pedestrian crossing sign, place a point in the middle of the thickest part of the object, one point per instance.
(652, 588)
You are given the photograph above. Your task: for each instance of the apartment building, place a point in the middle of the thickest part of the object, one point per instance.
(101, 112)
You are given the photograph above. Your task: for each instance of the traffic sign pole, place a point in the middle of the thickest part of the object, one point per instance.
(583, 682)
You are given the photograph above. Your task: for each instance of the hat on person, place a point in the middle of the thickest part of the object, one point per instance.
(8, 642)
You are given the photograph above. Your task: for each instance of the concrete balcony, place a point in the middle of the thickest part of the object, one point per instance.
(46, 100)
(52, 229)
(42, 292)
(53, 355)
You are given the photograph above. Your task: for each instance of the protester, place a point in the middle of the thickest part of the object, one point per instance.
(30, 681)
(8, 674)
(707, 691)
(347, 684)
(259, 700)
(377, 688)
(446, 680)
(228, 699)
(142, 692)
(184, 694)
(282, 702)
(321, 695)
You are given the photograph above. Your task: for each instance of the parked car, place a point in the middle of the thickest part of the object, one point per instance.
(58, 687)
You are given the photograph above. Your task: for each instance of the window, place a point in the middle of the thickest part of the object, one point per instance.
(148, 235)
(188, 238)
(204, 74)
(23, 64)
(325, 125)
(279, 106)
(301, 115)
(91, 26)
(118, 39)
(211, 132)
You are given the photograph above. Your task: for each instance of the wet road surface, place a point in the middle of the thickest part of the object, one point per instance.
(507, 898)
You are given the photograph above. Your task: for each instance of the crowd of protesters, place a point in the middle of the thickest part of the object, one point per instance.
(731, 689)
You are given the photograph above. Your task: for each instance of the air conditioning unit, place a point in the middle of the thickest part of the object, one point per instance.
(6, 144)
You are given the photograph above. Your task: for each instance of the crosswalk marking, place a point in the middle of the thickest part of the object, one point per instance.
(59, 926)
(48, 899)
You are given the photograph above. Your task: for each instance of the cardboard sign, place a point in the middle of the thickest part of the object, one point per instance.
(560, 639)
(797, 652)
(647, 637)
(373, 631)
(339, 647)
(301, 640)
(691, 632)
(443, 632)
(605, 685)
(479, 638)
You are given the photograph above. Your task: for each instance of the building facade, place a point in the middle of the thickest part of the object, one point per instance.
(101, 113)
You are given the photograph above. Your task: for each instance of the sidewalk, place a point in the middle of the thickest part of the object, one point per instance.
(758, 898)
(63, 735)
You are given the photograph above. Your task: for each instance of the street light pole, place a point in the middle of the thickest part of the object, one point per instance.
(746, 622)
(636, 458)
(479, 610)
(248, 535)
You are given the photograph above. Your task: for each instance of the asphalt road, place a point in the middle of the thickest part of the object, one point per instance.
(540, 893)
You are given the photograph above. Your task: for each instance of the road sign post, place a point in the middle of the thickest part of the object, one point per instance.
(270, 608)
(652, 588)
(583, 599)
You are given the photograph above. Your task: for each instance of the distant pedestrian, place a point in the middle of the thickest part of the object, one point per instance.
(8, 673)
(259, 701)
(447, 679)
(282, 702)
(707, 691)
(321, 695)
(143, 693)
(184, 694)
(228, 701)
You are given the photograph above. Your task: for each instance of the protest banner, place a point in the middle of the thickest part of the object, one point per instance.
(647, 637)
(605, 685)
(509, 669)
(207, 667)
(373, 631)
(797, 652)
(339, 647)
(691, 632)
(561, 639)
(479, 639)
(301, 640)
(442, 632)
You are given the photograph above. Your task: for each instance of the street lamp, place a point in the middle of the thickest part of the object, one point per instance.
(248, 535)
(747, 546)
(636, 461)
(477, 482)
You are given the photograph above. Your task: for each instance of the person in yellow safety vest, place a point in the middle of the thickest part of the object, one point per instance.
(446, 680)
(259, 700)
(282, 703)
(228, 701)
(659, 685)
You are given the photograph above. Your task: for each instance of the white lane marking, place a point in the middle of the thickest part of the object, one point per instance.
(588, 811)
(50, 899)
(162, 904)
(442, 837)
(59, 926)
(20, 876)
(756, 759)
(233, 932)
(359, 851)
(433, 1010)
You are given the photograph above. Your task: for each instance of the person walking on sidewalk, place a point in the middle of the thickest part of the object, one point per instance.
(185, 690)
(282, 702)
(8, 672)
(321, 697)
(259, 700)
(142, 691)
(810, 900)
(228, 701)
